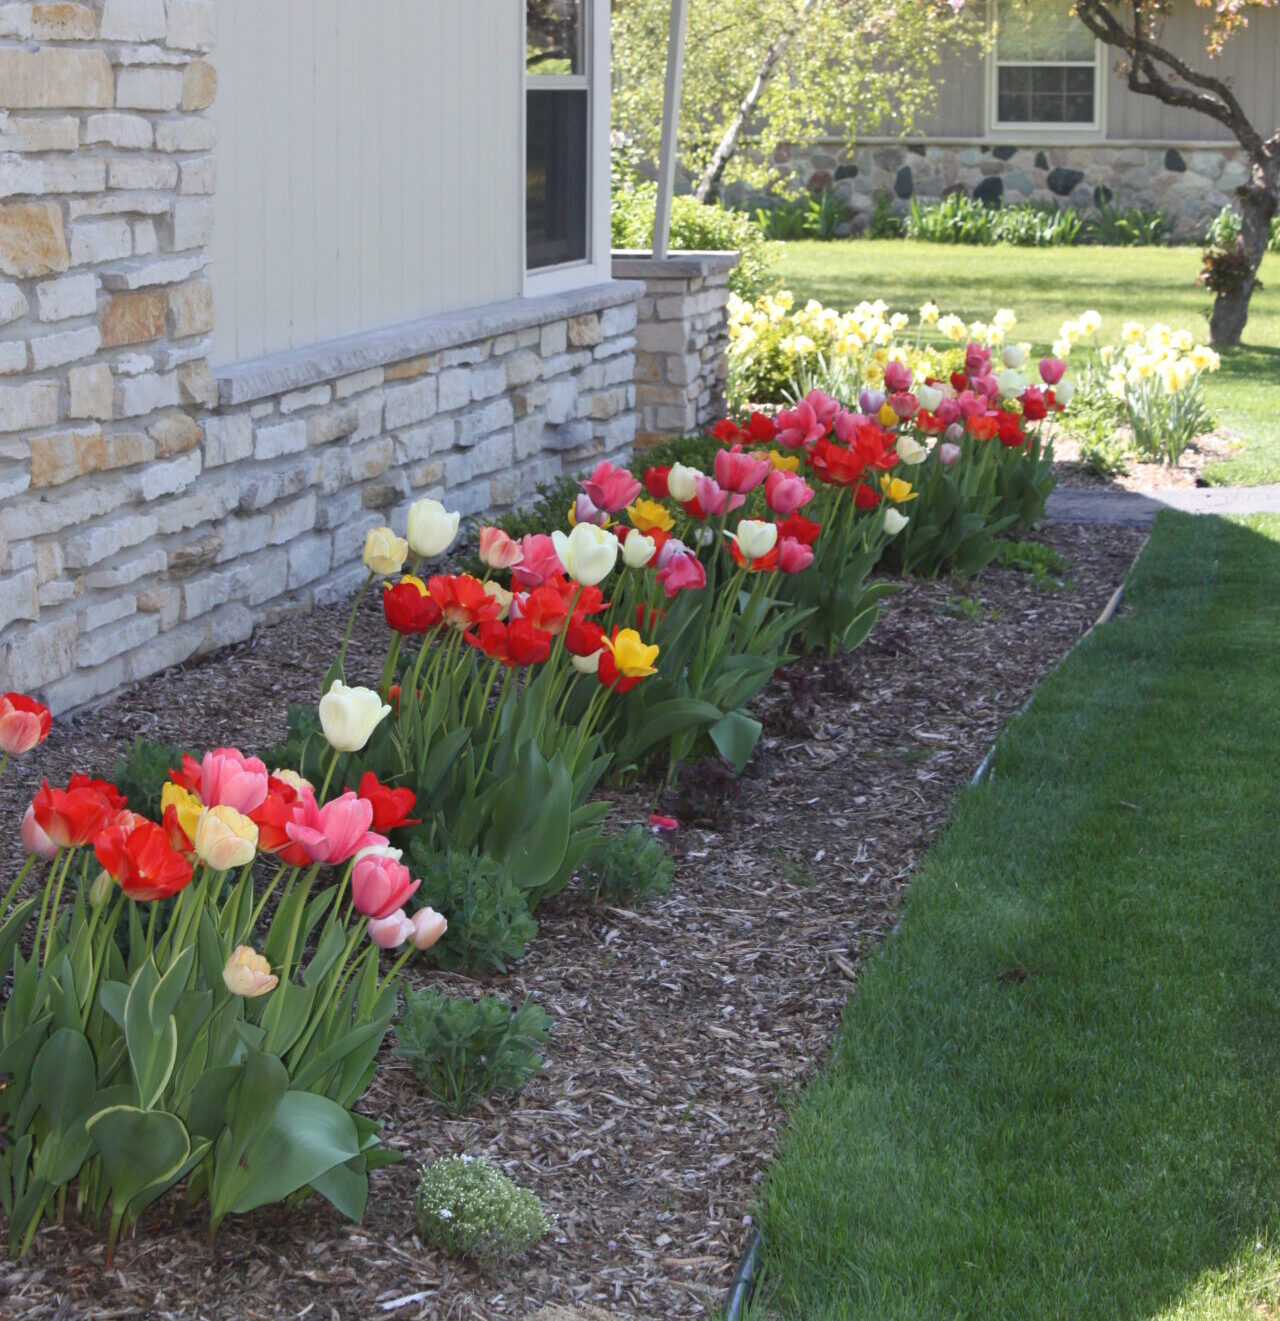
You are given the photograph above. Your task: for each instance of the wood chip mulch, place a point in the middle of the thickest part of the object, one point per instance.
(1212, 447)
(680, 1029)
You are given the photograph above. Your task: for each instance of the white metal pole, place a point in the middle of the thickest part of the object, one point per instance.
(670, 126)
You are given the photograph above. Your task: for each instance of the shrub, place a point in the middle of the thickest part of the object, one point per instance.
(884, 222)
(628, 867)
(810, 215)
(469, 1208)
(956, 219)
(489, 919)
(142, 775)
(462, 1050)
(1134, 227)
(697, 226)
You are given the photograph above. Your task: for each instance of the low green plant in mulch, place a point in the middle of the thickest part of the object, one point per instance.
(469, 1208)
(1054, 1091)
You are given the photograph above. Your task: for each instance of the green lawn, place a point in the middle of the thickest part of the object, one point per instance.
(1101, 1141)
(1045, 286)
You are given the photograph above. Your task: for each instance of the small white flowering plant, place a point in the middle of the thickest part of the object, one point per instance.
(467, 1207)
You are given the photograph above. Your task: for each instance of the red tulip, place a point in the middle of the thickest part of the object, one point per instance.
(865, 497)
(71, 817)
(143, 861)
(34, 840)
(391, 807)
(188, 777)
(1052, 370)
(408, 608)
(655, 482)
(462, 599)
(24, 723)
(798, 528)
(545, 608)
(284, 804)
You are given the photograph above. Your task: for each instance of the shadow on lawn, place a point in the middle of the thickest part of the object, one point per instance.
(1097, 1139)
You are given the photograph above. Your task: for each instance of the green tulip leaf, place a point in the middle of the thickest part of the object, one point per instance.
(735, 737)
(143, 1153)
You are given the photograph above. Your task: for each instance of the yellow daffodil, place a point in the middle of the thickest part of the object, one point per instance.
(897, 490)
(632, 655)
(645, 515)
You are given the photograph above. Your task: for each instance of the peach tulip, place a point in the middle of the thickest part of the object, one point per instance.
(247, 973)
(392, 931)
(428, 927)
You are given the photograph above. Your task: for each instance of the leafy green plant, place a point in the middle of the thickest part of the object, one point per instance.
(957, 218)
(142, 775)
(1040, 225)
(884, 223)
(469, 1208)
(1104, 452)
(1224, 229)
(627, 868)
(490, 924)
(698, 227)
(1043, 562)
(462, 1050)
(1131, 227)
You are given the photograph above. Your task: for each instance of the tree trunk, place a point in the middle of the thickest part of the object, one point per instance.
(1259, 201)
(728, 144)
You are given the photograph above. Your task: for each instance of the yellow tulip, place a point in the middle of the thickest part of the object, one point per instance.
(225, 839)
(646, 515)
(633, 657)
(896, 489)
(187, 804)
(248, 974)
(299, 782)
(784, 462)
(887, 417)
(384, 552)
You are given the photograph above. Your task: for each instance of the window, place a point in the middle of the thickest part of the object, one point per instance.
(1046, 66)
(557, 132)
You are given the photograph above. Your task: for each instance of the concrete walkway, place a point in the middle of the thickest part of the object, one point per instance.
(1138, 508)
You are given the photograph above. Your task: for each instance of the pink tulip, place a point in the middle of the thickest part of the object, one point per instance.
(610, 488)
(390, 932)
(585, 511)
(794, 556)
(970, 405)
(538, 561)
(713, 499)
(34, 840)
(799, 426)
(905, 405)
(824, 406)
(948, 453)
(497, 550)
(947, 411)
(230, 779)
(736, 471)
(669, 549)
(785, 492)
(337, 831)
(848, 426)
(1051, 370)
(380, 883)
(683, 573)
(985, 384)
(897, 377)
(976, 359)
(428, 927)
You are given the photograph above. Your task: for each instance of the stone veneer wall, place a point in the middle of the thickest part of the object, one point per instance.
(681, 341)
(1192, 183)
(150, 511)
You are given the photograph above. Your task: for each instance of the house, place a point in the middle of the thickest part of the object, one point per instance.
(269, 272)
(1043, 114)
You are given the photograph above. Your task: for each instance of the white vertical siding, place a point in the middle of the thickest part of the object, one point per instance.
(369, 166)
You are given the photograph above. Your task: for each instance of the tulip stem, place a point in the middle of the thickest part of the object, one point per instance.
(13, 889)
(396, 966)
(351, 621)
(56, 887)
(262, 903)
(328, 775)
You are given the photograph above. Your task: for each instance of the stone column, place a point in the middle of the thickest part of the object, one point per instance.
(682, 339)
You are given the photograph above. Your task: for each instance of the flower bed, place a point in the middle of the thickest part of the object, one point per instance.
(676, 1029)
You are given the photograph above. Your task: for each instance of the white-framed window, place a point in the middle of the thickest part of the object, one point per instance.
(1046, 69)
(558, 119)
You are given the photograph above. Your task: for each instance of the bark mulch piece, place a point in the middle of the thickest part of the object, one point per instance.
(679, 1029)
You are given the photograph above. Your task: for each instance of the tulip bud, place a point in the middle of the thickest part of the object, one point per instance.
(428, 927)
(894, 522)
(390, 932)
(1051, 370)
(431, 528)
(584, 511)
(910, 451)
(384, 552)
(587, 664)
(248, 974)
(756, 538)
(871, 401)
(349, 716)
(225, 839)
(638, 550)
(501, 595)
(100, 890)
(954, 433)
(948, 453)
(681, 482)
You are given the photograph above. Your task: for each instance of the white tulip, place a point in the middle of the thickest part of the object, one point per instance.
(1010, 384)
(1064, 391)
(1014, 355)
(432, 528)
(588, 553)
(756, 538)
(349, 716)
(637, 550)
(929, 396)
(910, 451)
(894, 522)
(681, 482)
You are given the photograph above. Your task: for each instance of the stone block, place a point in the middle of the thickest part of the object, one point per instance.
(454, 389)
(292, 520)
(191, 24)
(62, 22)
(132, 132)
(143, 174)
(32, 404)
(405, 404)
(191, 308)
(297, 400)
(196, 384)
(13, 303)
(309, 559)
(133, 20)
(91, 391)
(68, 346)
(71, 296)
(133, 318)
(147, 89)
(13, 357)
(126, 569)
(192, 133)
(481, 422)
(105, 643)
(282, 438)
(198, 176)
(93, 241)
(15, 21)
(358, 383)
(18, 597)
(91, 545)
(174, 433)
(554, 338)
(146, 393)
(227, 439)
(159, 270)
(33, 657)
(329, 424)
(199, 85)
(30, 133)
(32, 240)
(171, 477)
(56, 77)
(488, 381)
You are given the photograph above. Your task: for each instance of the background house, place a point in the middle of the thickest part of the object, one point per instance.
(1044, 115)
(268, 272)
